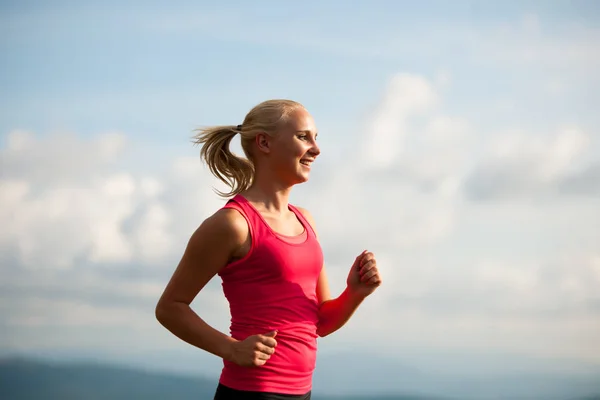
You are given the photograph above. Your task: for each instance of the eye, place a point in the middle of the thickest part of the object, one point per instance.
(302, 137)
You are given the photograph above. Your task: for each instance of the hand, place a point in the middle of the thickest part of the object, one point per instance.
(364, 276)
(255, 350)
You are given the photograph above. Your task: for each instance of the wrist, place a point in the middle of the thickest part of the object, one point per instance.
(354, 294)
(229, 349)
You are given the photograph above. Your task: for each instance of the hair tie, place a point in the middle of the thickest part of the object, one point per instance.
(239, 127)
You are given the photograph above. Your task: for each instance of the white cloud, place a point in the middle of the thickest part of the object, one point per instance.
(550, 156)
(108, 242)
(457, 274)
(64, 201)
(517, 164)
(151, 187)
(70, 157)
(152, 236)
(404, 190)
(406, 96)
(69, 313)
(543, 309)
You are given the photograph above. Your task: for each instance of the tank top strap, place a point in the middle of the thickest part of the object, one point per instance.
(254, 220)
(257, 223)
(305, 222)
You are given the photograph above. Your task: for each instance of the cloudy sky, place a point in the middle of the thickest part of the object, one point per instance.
(460, 143)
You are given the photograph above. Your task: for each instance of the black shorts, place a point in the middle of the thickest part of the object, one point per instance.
(226, 393)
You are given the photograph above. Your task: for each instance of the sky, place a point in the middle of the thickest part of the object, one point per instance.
(460, 143)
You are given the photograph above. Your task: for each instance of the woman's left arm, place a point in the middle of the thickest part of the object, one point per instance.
(362, 280)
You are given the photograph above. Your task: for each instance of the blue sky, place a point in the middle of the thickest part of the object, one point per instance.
(153, 70)
(462, 137)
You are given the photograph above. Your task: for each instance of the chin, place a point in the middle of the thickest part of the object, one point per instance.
(295, 177)
(303, 177)
(298, 179)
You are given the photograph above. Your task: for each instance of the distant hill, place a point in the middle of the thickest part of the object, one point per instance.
(25, 379)
(29, 379)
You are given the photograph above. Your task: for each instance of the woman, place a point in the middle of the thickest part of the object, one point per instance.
(267, 254)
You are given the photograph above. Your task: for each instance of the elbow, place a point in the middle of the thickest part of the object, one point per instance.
(160, 312)
(322, 332)
(168, 311)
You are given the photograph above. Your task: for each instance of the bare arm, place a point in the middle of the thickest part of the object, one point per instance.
(333, 313)
(210, 247)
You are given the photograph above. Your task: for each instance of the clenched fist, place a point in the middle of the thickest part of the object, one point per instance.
(364, 276)
(255, 350)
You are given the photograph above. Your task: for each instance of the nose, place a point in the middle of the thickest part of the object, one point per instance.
(315, 150)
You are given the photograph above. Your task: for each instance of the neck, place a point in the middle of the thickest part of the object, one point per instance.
(270, 193)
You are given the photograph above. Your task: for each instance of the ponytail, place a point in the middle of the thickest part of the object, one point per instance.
(234, 171)
(237, 172)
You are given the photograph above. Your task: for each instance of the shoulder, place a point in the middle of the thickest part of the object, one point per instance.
(305, 213)
(308, 217)
(227, 226)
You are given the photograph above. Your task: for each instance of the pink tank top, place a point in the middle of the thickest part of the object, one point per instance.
(274, 288)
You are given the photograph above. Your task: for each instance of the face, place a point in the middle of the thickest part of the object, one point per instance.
(293, 149)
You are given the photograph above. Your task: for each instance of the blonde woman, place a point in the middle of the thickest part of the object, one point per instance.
(268, 256)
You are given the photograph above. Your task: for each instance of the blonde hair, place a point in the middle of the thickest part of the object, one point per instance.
(238, 172)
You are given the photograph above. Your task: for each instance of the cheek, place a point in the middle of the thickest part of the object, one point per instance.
(293, 150)
(301, 148)
(286, 156)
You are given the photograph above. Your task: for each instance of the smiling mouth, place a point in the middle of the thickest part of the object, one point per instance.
(306, 162)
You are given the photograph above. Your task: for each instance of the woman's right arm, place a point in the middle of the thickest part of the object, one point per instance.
(209, 249)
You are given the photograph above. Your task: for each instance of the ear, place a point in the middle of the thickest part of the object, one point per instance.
(263, 142)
